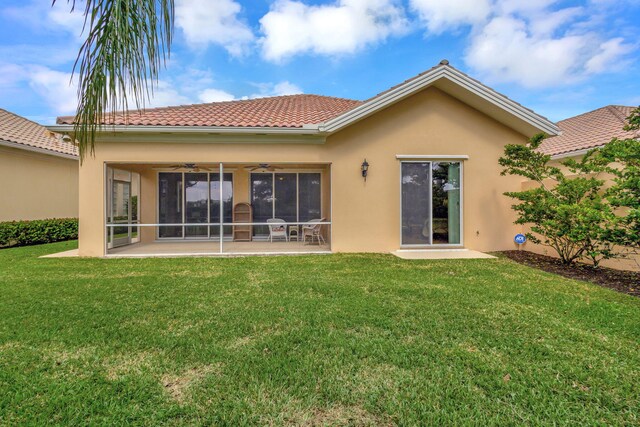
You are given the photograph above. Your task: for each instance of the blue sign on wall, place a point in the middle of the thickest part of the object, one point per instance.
(520, 238)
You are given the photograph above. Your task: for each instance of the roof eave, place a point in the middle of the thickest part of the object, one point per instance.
(25, 147)
(574, 153)
(304, 130)
(429, 78)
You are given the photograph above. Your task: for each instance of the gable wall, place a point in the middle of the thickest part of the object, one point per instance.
(431, 122)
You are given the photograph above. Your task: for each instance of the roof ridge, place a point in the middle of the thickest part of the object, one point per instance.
(613, 108)
(588, 130)
(445, 64)
(203, 104)
(617, 113)
(299, 110)
(26, 119)
(23, 132)
(581, 114)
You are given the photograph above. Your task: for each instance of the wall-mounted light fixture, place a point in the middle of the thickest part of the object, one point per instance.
(365, 169)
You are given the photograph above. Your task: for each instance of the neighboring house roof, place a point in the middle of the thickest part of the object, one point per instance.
(18, 132)
(589, 130)
(291, 111)
(321, 114)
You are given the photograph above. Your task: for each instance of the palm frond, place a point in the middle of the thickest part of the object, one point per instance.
(127, 43)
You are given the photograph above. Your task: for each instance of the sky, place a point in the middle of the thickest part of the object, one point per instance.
(559, 58)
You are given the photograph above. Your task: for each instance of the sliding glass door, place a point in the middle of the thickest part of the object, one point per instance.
(431, 203)
(123, 188)
(170, 204)
(193, 198)
(291, 196)
(227, 202)
(261, 200)
(196, 195)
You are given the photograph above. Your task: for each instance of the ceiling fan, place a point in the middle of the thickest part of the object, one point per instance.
(192, 167)
(265, 166)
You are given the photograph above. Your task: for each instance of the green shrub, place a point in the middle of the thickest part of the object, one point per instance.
(36, 232)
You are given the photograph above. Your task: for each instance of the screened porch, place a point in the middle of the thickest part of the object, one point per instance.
(217, 209)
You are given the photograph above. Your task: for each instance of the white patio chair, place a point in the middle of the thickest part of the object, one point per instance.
(313, 230)
(277, 228)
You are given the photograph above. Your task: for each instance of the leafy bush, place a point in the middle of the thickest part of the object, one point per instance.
(572, 210)
(624, 155)
(24, 233)
(567, 212)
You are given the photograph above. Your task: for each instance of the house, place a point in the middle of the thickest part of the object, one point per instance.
(414, 167)
(38, 171)
(580, 134)
(589, 130)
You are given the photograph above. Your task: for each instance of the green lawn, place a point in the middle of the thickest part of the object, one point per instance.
(317, 340)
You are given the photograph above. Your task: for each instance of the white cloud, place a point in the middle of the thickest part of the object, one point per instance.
(205, 22)
(504, 7)
(42, 15)
(534, 43)
(292, 27)
(264, 90)
(275, 89)
(286, 88)
(439, 15)
(505, 51)
(59, 91)
(530, 44)
(56, 88)
(547, 22)
(11, 75)
(165, 93)
(215, 95)
(63, 17)
(608, 56)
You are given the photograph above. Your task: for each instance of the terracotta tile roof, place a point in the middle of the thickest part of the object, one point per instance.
(291, 111)
(21, 131)
(589, 130)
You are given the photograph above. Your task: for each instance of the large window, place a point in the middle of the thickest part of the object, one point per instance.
(431, 204)
(193, 198)
(291, 196)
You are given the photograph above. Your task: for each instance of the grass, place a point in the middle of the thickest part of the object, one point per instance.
(316, 340)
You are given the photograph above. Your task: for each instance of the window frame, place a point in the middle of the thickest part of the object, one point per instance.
(273, 185)
(209, 236)
(431, 160)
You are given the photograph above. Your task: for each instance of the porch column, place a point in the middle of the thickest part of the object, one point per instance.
(221, 185)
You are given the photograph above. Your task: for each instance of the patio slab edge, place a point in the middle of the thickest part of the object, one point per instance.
(420, 254)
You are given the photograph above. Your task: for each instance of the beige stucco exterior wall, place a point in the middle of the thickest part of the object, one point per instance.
(365, 215)
(37, 186)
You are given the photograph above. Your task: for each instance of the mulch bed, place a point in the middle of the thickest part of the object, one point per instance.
(627, 282)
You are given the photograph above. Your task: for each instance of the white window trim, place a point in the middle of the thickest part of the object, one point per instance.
(432, 157)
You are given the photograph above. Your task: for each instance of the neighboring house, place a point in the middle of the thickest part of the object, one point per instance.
(431, 145)
(38, 171)
(579, 135)
(590, 130)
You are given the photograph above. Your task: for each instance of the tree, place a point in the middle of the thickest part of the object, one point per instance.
(127, 43)
(566, 212)
(621, 159)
